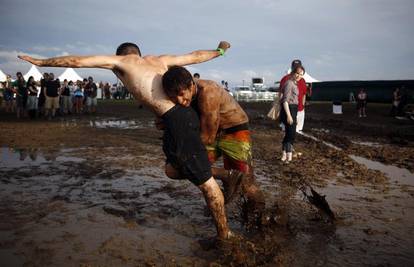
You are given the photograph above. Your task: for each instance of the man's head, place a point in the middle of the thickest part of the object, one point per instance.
(196, 76)
(90, 79)
(179, 85)
(19, 75)
(128, 49)
(51, 76)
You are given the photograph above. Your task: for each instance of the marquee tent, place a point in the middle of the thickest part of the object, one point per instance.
(2, 76)
(33, 72)
(70, 75)
(307, 77)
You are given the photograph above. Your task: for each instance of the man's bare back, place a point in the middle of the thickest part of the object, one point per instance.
(141, 75)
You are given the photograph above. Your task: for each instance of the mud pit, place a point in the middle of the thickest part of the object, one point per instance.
(90, 191)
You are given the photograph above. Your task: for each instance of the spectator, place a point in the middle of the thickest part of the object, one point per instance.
(289, 108)
(396, 97)
(362, 103)
(32, 98)
(42, 99)
(52, 96)
(91, 95)
(72, 88)
(21, 95)
(9, 95)
(66, 98)
(107, 91)
(196, 76)
(403, 102)
(302, 92)
(78, 94)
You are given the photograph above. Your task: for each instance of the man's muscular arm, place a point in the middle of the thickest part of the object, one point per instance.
(195, 57)
(209, 106)
(103, 62)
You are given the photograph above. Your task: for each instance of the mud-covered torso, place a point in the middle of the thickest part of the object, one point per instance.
(230, 112)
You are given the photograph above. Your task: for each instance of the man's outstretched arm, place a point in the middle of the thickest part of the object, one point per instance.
(103, 62)
(195, 57)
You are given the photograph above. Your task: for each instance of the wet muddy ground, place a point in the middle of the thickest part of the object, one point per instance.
(90, 191)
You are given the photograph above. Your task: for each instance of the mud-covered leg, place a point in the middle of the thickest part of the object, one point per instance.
(215, 201)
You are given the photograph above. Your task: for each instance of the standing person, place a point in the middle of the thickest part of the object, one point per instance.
(52, 96)
(42, 99)
(196, 76)
(289, 108)
(78, 95)
(32, 98)
(302, 94)
(91, 98)
(404, 100)
(9, 95)
(107, 91)
(72, 88)
(362, 103)
(224, 131)
(396, 97)
(21, 95)
(143, 77)
(66, 97)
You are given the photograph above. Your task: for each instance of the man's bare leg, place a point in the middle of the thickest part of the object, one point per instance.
(233, 180)
(215, 201)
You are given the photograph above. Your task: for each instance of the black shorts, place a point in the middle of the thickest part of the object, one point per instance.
(182, 145)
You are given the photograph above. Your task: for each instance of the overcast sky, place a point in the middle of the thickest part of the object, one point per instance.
(336, 40)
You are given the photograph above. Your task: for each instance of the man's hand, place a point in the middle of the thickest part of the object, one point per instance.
(30, 59)
(289, 120)
(224, 45)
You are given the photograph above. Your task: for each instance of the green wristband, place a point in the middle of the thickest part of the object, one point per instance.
(221, 51)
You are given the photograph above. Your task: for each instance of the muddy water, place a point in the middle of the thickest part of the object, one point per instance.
(91, 192)
(65, 208)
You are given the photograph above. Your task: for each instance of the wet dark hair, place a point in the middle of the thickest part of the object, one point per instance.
(29, 81)
(295, 69)
(175, 80)
(196, 75)
(127, 49)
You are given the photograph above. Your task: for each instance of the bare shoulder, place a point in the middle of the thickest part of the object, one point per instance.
(209, 86)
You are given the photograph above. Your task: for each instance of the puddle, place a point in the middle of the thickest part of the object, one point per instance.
(16, 158)
(169, 216)
(121, 124)
(396, 175)
(31, 157)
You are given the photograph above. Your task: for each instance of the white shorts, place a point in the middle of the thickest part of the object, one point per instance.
(300, 118)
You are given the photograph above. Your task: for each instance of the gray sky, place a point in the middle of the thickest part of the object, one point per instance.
(336, 40)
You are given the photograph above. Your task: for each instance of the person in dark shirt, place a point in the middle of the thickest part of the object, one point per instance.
(52, 96)
(92, 92)
(32, 98)
(21, 95)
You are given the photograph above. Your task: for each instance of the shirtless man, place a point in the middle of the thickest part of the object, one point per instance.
(143, 78)
(224, 131)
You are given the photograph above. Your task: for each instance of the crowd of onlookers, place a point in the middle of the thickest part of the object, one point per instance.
(50, 97)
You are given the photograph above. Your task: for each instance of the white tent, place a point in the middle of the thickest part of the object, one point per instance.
(307, 77)
(3, 76)
(70, 75)
(33, 72)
